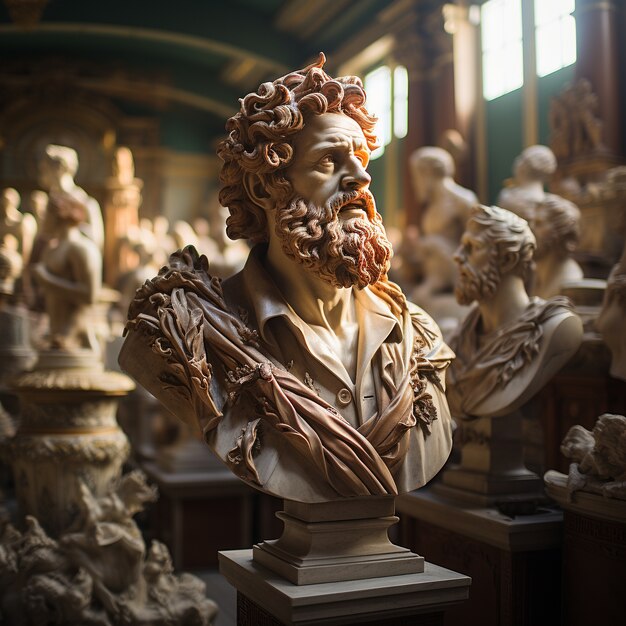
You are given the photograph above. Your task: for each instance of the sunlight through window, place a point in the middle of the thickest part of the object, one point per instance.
(555, 35)
(501, 32)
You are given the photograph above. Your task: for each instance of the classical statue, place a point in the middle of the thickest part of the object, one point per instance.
(446, 207)
(69, 274)
(532, 169)
(56, 172)
(309, 373)
(598, 457)
(99, 571)
(17, 229)
(510, 344)
(556, 226)
(611, 322)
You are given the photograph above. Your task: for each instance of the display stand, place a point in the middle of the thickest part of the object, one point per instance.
(335, 564)
(514, 562)
(266, 598)
(594, 555)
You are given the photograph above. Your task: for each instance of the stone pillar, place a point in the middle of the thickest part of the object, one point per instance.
(598, 60)
(425, 49)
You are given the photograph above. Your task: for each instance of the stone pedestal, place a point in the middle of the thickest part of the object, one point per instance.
(67, 435)
(492, 469)
(268, 599)
(514, 563)
(335, 541)
(594, 555)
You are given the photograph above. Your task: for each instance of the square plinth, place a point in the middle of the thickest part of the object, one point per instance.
(369, 601)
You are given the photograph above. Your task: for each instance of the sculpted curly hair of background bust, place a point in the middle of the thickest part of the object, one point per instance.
(259, 138)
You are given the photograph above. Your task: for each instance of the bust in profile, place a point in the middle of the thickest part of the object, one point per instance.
(532, 169)
(510, 345)
(309, 373)
(556, 225)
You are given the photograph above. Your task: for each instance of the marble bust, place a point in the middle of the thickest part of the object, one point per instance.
(69, 274)
(556, 226)
(510, 344)
(309, 373)
(532, 169)
(446, 206)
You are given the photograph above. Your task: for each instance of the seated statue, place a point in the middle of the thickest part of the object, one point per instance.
(556, 226)
(57, 171)
(309, 373)
(532, 169)
(510, 345)
(446, 207)
(69, 274)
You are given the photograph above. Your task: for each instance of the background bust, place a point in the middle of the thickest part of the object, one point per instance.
(510, 345)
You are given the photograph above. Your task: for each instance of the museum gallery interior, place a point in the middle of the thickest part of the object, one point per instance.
(313, 313)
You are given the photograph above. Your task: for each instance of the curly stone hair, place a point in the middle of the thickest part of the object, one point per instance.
(260, 139)
(564, 219)
(509, 234)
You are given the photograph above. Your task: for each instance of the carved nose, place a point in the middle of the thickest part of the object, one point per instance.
(357, 178)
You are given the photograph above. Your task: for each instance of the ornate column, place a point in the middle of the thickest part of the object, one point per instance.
(121, 213)
(598, 60)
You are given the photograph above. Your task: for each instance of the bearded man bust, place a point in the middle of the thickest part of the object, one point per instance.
(308, 372)
(509, 345)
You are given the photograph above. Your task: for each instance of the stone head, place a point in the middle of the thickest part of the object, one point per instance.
(9, 199)
(294, 172)
(58, 161)
(429, 165)
(496, 243)
(556, 225)
(535, 163)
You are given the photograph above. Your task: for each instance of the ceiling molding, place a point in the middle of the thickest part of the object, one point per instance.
(210, 45)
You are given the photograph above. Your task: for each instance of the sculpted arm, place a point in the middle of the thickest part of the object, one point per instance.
(85, 281)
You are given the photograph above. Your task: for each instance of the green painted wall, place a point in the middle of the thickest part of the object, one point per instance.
(504, 138)
(504, 123)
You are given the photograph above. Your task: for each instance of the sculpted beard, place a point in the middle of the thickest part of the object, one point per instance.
(474, 285)
(351, 252)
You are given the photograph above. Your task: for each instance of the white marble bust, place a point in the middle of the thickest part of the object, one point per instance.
(510, 345)
(556, 225)
(308, 372)
(532, 170)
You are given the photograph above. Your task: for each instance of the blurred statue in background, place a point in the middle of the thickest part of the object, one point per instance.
(428, 256)
(598, 457)
(612, 320)
(56, 172)
(510, 345)
(69, 274)
(532, 169)
(17, 229)
(556, 226)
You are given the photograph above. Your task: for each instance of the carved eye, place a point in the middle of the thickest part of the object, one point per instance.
(327, 160)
